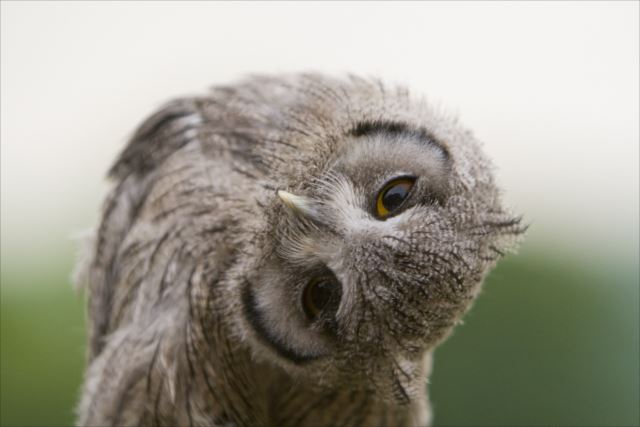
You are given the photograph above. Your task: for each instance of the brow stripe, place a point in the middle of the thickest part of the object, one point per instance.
(388, 127)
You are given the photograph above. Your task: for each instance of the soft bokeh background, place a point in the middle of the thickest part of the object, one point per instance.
(552, 89)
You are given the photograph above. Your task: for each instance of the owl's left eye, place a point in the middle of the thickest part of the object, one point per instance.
(393, 195)
(322, 294)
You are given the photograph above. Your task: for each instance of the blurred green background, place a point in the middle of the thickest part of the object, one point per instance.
(551, 341)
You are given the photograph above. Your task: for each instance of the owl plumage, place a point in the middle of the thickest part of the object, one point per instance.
(287, 251)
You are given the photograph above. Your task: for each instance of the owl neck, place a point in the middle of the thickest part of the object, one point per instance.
(301, 405)
(280, 400)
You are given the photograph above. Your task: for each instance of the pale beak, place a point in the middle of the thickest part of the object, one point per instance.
(298, 204)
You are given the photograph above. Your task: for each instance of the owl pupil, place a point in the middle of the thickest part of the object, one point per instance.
(395, 195)
(319, 295)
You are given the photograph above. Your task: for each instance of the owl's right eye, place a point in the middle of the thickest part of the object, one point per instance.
(321, 296)
(393, 195)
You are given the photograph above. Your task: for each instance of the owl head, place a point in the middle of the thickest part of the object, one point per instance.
(380, 225)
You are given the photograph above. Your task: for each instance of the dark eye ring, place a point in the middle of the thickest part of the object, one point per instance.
(393, 195)
(321, 295)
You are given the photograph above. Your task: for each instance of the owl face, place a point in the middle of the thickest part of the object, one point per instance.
(370, 262)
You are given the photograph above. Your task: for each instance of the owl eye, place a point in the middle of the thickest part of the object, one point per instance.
(393, 195)
(320, 295)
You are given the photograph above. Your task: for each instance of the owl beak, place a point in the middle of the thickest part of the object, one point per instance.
(297, 204)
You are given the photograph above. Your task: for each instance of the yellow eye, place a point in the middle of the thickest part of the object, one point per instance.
(393, 195)
(321, 294)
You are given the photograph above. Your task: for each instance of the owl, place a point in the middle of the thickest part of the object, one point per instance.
(286, 251)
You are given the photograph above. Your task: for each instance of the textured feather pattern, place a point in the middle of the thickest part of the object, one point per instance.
(196, 273)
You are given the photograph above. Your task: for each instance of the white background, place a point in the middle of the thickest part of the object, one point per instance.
(551, 88)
